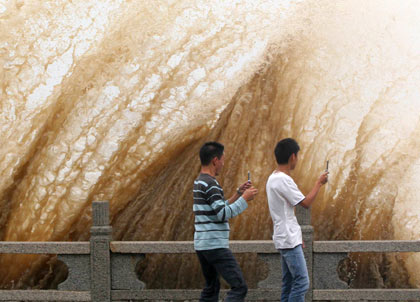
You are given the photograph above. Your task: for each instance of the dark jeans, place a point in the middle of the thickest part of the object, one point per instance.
(221, 262)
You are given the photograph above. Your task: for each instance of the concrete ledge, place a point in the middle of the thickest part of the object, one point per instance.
(44, 295)
(253, 295)
(188, 294)
(31, 247)
(152, 247)
(253, 246)
(187, 247)
(367, 294)
(384, 246)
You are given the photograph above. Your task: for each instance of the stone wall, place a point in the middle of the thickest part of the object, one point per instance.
(104, 270)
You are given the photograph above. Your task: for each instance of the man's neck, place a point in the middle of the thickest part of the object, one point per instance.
(284, 168)
(208, 170)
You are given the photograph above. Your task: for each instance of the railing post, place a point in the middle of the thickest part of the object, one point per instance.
(304, 218)
(100, 269)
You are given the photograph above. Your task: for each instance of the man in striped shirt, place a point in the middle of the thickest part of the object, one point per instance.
(211, 237)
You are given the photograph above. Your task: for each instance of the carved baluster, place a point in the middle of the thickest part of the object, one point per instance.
(325, 270)
(78, 277)
(123, 268)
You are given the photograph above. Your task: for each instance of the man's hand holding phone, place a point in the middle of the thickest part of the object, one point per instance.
(323, 179)
(244, 187)
(249, 193)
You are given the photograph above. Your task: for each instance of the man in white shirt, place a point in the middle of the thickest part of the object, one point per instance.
(283, 195)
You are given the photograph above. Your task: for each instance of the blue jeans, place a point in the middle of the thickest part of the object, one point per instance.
(295, 276)
(221, 262)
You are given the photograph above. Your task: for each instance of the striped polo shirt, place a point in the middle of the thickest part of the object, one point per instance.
(212, 213)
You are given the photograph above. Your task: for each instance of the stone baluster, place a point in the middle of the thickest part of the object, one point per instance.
(100, 253)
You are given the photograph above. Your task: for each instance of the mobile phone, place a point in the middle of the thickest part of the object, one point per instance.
(249, 176)
(326, 168)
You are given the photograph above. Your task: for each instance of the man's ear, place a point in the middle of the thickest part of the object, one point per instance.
(291, 157)
(214, 160)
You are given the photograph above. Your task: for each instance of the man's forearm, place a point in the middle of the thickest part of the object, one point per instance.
(310, 198)
(234, 198)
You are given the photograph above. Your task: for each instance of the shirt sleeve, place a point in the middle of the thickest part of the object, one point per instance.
(221, 207)
(291, 193)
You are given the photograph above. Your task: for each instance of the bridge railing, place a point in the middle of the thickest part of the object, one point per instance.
(104, 270)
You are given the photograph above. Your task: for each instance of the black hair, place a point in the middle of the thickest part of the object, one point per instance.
(209, 151)
(284, 149)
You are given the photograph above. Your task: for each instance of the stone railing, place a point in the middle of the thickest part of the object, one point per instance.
(103, 270)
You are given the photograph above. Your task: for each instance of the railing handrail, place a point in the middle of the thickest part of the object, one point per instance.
(378, 246)
(179, 247)
(187, 247)
(44, 247)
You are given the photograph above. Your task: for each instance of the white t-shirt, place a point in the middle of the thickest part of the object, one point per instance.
(283, 195)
